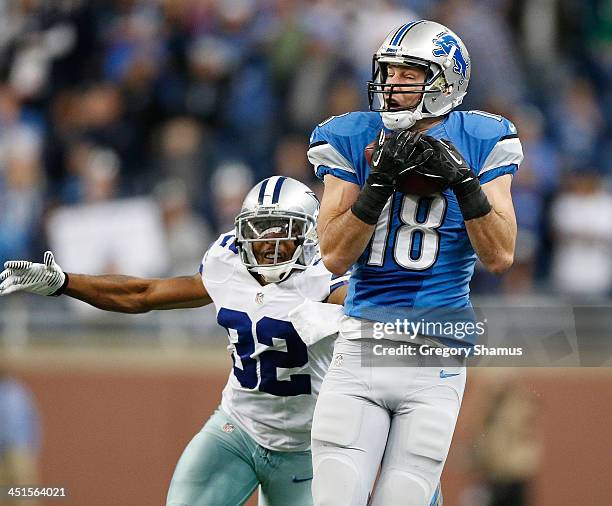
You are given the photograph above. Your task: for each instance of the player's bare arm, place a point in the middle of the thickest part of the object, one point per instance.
(487, 210)
(493, 236)
(343, 236)
(124, 294)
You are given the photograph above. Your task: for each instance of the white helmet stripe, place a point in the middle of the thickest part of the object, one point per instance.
(268, 191)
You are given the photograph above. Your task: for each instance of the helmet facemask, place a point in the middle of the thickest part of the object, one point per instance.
(380, 93)
(273, 226)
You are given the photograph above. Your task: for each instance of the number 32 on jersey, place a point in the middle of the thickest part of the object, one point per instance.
(416, 241)
(239, 325)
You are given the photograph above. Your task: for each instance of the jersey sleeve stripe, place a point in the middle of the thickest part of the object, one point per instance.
(232, 245)
(326, 155)
(337, 285)
(434, 499)
(509, 136)
(338, 281)
(492, 174)
(318, 143)
(505, 152)
(341, 279)
(349, 177)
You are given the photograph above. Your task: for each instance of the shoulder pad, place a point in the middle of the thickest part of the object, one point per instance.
(220, 259)
(484, 125)
(491, 140)
(349, 124)
(337, 144)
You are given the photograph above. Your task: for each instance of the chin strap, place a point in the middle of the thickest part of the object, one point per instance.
(278, 273)
(273, 273)
(400, 120)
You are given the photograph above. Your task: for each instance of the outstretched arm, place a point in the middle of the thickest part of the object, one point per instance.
(124, 294)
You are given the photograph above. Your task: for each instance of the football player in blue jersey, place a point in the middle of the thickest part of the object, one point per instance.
(412, 254)
(255, 276)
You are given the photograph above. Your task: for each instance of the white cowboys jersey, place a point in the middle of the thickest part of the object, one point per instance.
(272, 388)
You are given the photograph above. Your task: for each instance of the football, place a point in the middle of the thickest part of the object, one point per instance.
(411, 183)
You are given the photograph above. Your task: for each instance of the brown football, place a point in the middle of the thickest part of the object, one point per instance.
(417, 184)
(411, 183)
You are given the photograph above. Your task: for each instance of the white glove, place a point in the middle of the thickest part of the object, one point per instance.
(23, 276)
(315, 320)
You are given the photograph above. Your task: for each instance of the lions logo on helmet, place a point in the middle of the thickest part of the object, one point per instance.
(275, 210)
(447, 45)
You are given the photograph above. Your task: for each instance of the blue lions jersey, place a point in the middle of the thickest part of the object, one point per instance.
(420, 255)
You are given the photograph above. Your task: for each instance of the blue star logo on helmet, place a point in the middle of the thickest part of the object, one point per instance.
(445, 43)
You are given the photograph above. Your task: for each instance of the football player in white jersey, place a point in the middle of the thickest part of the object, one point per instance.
(255, 276)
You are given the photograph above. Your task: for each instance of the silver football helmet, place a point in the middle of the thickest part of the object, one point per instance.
(447, 69)
(275, 210)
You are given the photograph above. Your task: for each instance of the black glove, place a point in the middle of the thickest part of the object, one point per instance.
(392, 157)
(449, 165)
(395, 155)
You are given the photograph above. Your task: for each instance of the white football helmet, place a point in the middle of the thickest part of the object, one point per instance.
(447, 69)
(278, 209)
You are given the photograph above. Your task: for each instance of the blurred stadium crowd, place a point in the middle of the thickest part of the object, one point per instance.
(184, 104)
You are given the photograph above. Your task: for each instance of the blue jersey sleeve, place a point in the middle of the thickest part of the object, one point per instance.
(495, 149)
(337, 146)
(489, 142)
(494, 173)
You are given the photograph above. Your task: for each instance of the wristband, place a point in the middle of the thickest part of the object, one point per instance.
(372, 198)
(62, 288)
(473, 202)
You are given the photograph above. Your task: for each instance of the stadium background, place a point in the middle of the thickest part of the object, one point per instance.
(129, 133)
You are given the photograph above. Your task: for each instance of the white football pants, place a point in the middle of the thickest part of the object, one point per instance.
(396, 419)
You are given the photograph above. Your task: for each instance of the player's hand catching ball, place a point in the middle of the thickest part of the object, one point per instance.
(448, 164)
(395, 155)
(42, 279)
(391, 157)
(446, 161)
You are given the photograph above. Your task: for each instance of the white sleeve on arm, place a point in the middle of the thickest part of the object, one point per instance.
(327, 160)
(505, 158)
(315, 320)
